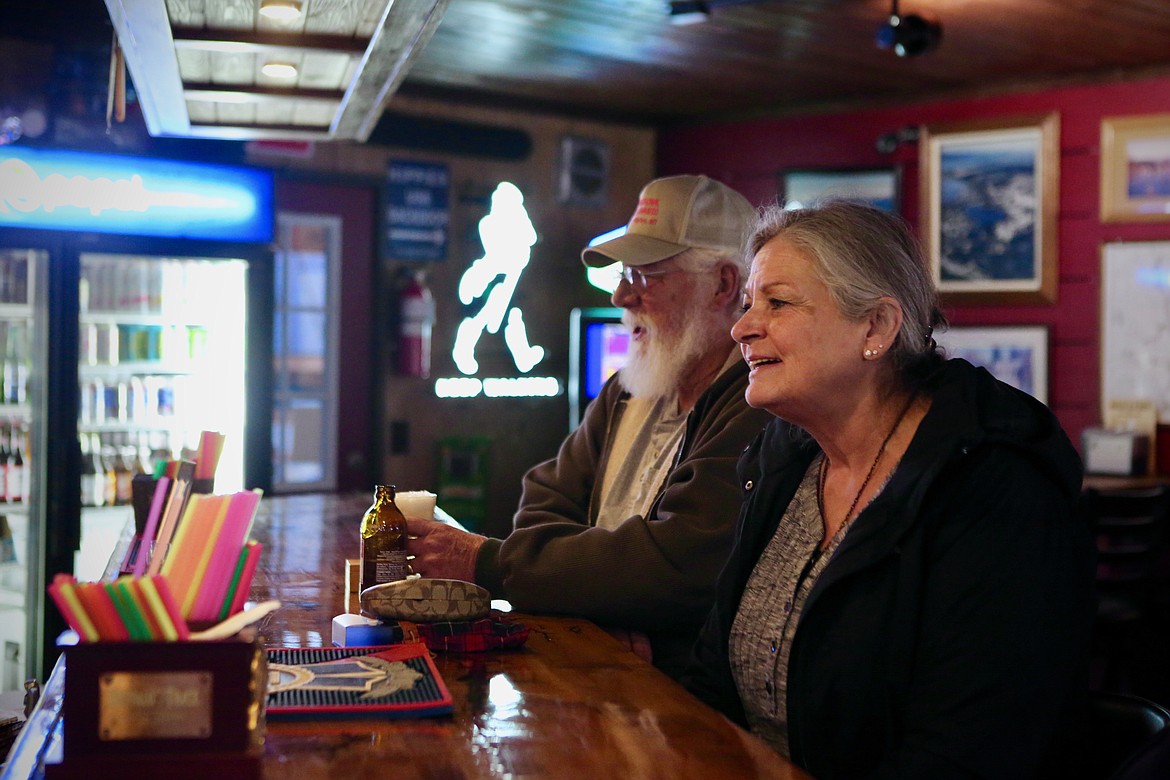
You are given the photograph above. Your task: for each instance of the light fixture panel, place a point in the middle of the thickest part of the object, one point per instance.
(280, 9)
(279, 70)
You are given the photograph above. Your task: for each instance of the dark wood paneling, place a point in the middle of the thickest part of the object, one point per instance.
(622, 59)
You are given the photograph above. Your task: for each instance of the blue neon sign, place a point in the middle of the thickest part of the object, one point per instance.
(102, 193)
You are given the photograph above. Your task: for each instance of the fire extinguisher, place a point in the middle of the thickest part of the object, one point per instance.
(417, 315)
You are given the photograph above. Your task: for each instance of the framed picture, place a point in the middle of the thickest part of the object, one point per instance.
(989, 202)
(880, 187)
(1135, 318)
(1135, 169)
(1015, 354)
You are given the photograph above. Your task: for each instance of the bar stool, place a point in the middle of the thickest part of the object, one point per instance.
(1130, 528)
(1127, 736)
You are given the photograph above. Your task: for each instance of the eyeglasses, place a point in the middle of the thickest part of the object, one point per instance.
(641, 279)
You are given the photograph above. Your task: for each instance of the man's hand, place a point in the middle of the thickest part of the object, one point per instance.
(442, 551)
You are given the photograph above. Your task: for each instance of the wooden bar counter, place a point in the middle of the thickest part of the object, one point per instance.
(571, 703)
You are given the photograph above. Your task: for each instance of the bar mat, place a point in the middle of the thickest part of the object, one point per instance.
(392, 680)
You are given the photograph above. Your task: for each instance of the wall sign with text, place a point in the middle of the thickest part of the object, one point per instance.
(418, 214)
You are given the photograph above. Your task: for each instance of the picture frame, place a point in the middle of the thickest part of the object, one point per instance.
(1015, 354)
(1135, 315)
(989, 191)
(1135, 168)
(880, 187)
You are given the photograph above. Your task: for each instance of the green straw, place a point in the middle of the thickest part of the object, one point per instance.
(235, 584)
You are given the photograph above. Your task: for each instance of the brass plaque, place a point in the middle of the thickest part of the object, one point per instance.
(154, 705)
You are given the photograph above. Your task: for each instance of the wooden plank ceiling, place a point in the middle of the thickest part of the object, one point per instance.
(624, 59)
(617, 60)
(202, 67)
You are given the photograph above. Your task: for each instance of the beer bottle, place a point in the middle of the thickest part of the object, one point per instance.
(17, 473)
(383, 544)
(89, 474)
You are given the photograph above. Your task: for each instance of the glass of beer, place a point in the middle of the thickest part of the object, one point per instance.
(416, 503)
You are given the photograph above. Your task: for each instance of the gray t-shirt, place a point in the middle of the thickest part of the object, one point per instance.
(644, 449)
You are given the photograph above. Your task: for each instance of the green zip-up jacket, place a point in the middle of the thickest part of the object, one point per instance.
(654, 574)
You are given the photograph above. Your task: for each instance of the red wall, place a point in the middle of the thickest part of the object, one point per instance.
(749, 155)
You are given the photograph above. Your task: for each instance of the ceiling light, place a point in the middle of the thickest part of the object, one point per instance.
(280, 9)
(689, 11)
(908, 35)
(279, 70)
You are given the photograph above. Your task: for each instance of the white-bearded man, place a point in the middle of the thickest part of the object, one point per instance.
(630, 524)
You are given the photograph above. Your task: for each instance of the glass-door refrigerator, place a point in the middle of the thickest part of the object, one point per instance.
(161, 358)
(22, 542)
(135, 312)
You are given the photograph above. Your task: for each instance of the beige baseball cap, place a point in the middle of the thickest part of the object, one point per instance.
(674, 214)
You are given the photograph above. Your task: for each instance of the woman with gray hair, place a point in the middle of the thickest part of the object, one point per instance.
(910, 593)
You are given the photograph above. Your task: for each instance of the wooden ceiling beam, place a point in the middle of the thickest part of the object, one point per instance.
(252, 42)
(145, 35)
(404, 31)
(260, 131)
(254, 93)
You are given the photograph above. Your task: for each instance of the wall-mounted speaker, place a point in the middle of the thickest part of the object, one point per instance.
(583, 175)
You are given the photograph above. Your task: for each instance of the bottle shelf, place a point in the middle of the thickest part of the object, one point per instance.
(134, 318)
(15, 412)
(136, 342)
(137, 368)
(163, 425)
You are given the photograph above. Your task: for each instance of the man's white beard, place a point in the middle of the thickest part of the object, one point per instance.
(659, 362)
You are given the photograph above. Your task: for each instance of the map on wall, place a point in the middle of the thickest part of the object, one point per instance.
(1135, 318)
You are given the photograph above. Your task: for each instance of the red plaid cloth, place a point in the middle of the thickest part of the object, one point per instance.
(493, 632)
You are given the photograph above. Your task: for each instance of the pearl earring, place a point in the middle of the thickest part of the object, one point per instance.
(870, 353)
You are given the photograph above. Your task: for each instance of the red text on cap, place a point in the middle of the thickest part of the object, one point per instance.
(647, 211)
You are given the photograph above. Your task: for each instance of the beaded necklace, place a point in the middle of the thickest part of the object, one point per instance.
(872, 469)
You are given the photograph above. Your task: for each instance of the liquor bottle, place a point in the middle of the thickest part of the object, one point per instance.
(113, 347)
(15, 373)
(383, 541)
(136, 400)
(89, 473)
(145, 462)
(110, 483)
(28, 457)
(98, 497)
(88, 347)
(7, 542)
(83, 289)
(6, 260)
(17, 474)
(160, 449)
(154, 279)
(18, 286)
(10, 360)
(123, 475)
(4, 378)
(19, 393)
(6, 483)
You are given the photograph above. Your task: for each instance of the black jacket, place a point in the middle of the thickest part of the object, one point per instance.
(948, 636)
